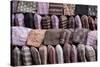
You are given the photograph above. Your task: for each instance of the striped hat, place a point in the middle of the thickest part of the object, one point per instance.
(45, 22)
(63, 22)
(16, 56)
(26, 56)
(56, 8)
(35, 56)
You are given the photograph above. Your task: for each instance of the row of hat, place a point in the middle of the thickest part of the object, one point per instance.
(37, 21)
(52, 46)
(25, 36)
(52, 8)
(69, 53)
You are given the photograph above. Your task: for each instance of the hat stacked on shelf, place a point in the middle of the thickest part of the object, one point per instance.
(52, 33)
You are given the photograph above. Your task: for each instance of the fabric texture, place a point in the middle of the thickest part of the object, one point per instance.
(81, 53)
(26, 56)
(43, 8)
(43, 54)
(16, 56)
(59, 54)
(90, 53)
(19, 35)
(26, 6)
(69, 9)
(73, 54)
(55, 22)
(56, 8)
(51, 55)
(63, 22)
(45, 22)
(66, 51)
(36, 56)
(52, 37)
(35, 37)
(19, 19)
(37, 21)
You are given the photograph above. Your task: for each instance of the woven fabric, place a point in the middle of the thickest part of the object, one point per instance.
(51, 55)
(91, 23)
(26, 6)
(26, 56)
(59, 54)
(73, 53)
(52, 37)
(43, 8)
(35, 55)
(19, 19)
(37, 21)
(43, 54)
(16, 53)
(56, 8)
(81, 53)
(69, 9)
(45, 22)
(29, 20)
(63, 22)
(90, 53)
(55, 22)
(84, 20)
(66, 51)
(19, 35)
(35, 37)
